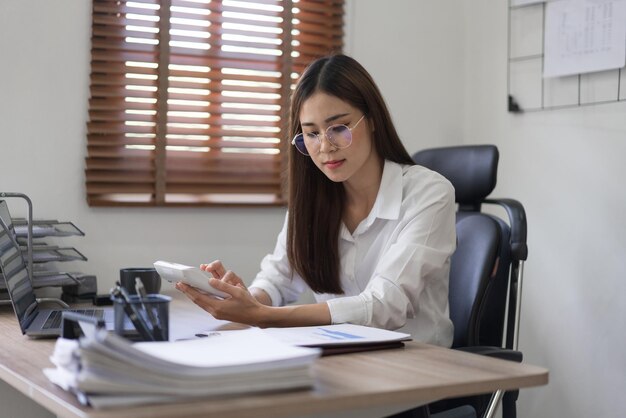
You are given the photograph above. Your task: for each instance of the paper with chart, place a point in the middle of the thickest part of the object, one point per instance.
(583, 36)
(335, 335)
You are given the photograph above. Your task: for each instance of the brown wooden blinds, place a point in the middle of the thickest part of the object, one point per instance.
(189, 97)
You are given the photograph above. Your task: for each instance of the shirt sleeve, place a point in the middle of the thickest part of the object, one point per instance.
(276, 276)
(411, 279)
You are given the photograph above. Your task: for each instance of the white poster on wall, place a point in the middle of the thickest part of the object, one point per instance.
(583, 36)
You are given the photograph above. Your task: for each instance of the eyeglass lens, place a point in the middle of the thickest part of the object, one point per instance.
(339, 136)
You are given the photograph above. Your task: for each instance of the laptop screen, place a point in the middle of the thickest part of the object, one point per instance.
(13, 269)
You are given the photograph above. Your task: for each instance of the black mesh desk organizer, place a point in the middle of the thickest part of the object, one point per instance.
(31, 236)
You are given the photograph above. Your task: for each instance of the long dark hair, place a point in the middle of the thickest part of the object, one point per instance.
(316, 203)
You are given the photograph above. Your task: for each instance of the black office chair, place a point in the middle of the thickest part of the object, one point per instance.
(486, 269)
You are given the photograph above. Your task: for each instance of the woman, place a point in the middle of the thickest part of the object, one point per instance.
(367, 230)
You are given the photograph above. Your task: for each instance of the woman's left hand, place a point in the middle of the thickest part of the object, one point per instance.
(240, 307)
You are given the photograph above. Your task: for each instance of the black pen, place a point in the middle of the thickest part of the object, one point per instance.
(133, 314)
(141, 292)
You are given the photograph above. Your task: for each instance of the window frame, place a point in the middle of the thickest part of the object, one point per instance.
(135, 159)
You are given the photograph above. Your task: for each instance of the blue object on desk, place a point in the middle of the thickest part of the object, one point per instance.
(149, 314)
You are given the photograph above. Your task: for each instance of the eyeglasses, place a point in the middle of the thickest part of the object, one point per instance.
(340, 136)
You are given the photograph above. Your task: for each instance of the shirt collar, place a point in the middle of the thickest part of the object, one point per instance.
(389, 199)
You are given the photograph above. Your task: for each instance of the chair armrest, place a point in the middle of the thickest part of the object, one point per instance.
(517, 222)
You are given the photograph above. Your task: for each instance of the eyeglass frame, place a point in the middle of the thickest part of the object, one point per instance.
(317, 136)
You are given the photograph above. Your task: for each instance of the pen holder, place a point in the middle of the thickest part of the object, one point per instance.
(152, 312)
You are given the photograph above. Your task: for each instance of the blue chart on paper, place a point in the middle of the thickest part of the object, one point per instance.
(336, 335)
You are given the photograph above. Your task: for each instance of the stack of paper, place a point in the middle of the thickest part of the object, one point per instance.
(105, 370)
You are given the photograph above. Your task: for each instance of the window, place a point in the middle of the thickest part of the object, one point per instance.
(189, 97)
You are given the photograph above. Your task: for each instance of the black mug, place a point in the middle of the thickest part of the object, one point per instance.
(148, 276)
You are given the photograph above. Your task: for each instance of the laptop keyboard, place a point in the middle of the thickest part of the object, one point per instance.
(55, 317)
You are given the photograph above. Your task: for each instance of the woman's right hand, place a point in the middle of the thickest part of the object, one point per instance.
(217, 270)
(250, 307)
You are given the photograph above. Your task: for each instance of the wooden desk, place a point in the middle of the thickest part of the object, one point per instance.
(369, 381)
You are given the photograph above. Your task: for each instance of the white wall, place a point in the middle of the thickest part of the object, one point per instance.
(413, 50)
(567, 168)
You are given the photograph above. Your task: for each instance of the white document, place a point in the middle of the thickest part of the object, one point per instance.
(525, 2)
(335, 335)
(583, 36)
(228, 351)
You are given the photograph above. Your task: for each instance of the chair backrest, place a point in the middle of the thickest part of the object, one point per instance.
(482, 263)
(478, 242)
(472, 170)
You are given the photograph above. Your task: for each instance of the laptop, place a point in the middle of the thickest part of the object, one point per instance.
(33, 320)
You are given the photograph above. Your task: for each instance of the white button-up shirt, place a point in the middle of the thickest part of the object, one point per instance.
(395, 266)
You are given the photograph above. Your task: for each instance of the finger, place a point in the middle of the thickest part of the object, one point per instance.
(196, 296)
(232, 290)
(231, 278)
(189, 291)
(216, 268)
